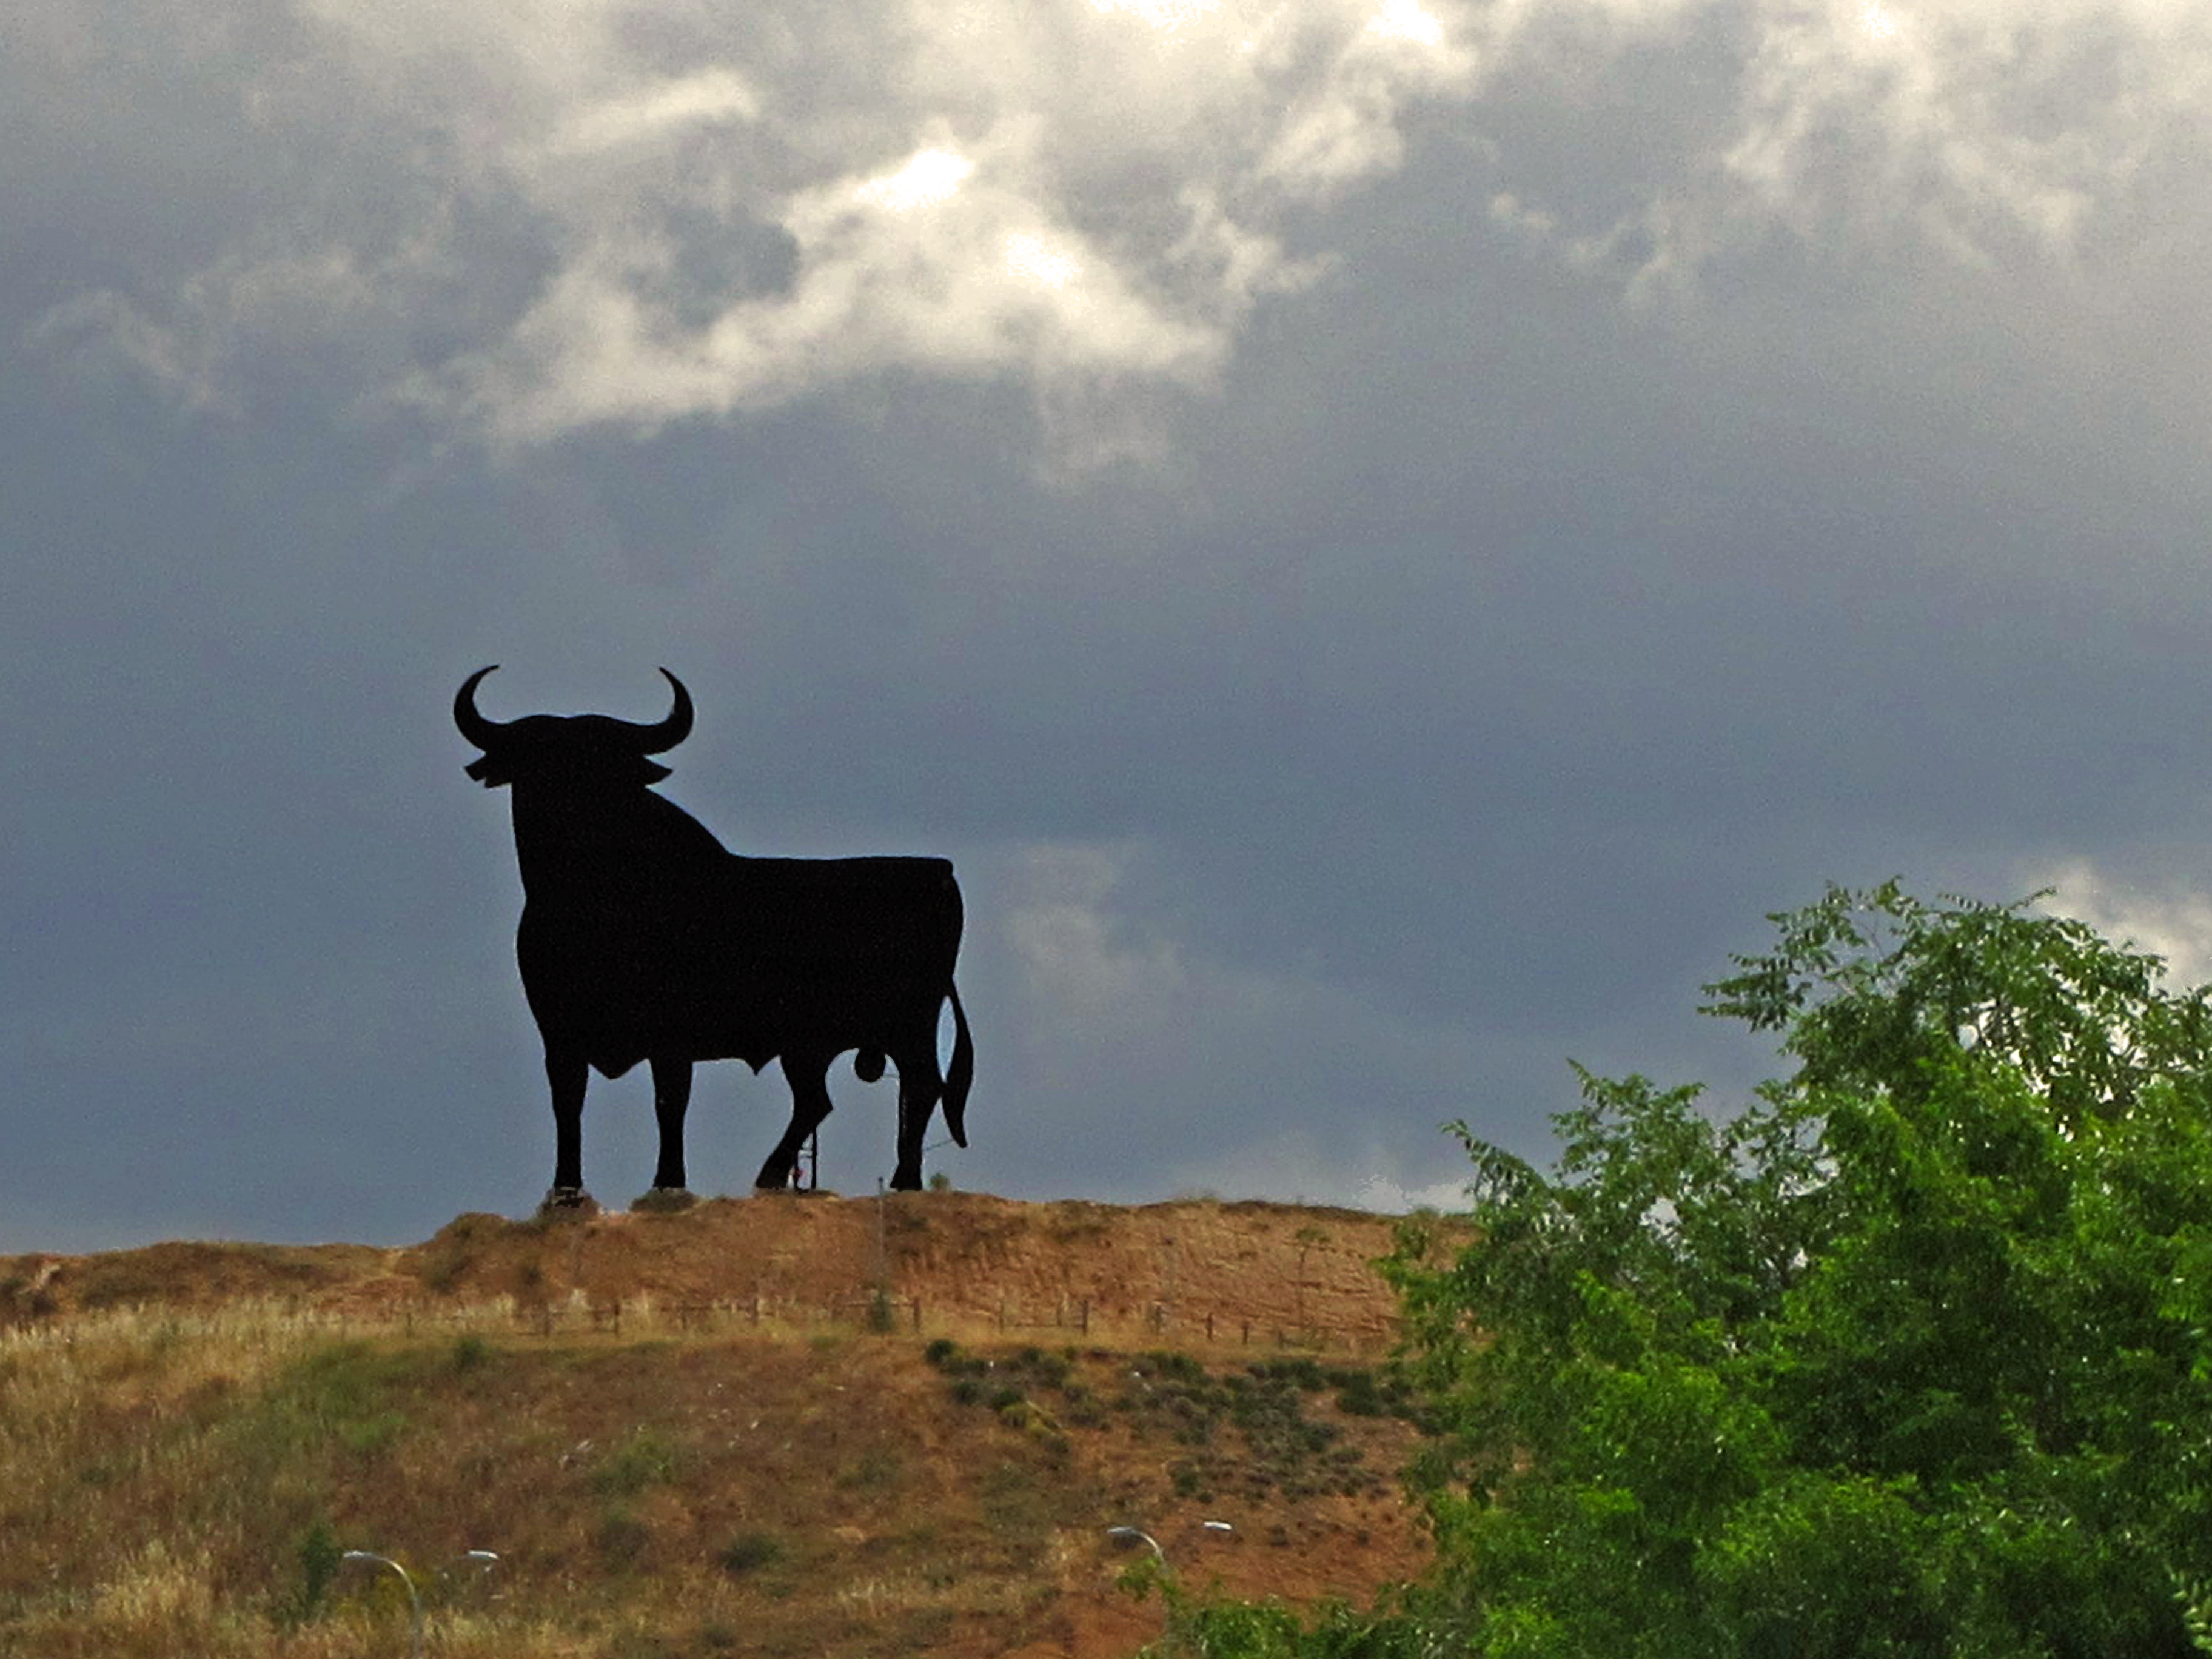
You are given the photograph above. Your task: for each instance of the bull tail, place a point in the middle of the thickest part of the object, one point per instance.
(960, 1073)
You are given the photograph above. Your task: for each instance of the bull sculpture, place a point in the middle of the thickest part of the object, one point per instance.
(643, 938)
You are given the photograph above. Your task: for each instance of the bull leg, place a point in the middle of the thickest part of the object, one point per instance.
(918, 1088)
(566, 1074)
(671, 1096)
(808, 1076)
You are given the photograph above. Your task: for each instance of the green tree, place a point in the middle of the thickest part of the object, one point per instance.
(1909, 1356)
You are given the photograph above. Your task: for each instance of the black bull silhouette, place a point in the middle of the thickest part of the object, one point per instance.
(643, 938)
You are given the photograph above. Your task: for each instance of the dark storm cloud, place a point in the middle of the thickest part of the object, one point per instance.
(1515, 503)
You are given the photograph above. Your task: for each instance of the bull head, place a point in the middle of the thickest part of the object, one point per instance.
(597, 748)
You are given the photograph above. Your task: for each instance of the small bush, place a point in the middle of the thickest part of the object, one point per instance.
(749, 1552)
(871, 1472)
(1162, 1362)
(648, 1458)
(622, 1539)
(469, 1352)
(319, 1557)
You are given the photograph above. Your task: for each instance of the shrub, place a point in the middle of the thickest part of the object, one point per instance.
(749, 1552)
(648, 1458)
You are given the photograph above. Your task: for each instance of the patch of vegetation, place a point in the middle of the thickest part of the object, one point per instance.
(749, 1551)
(648, 1458)
(469, 1352)
(1245, 1431)
(319, 1556)
(873, 1471)
(273, 1448)
(350, 1394)
(1014, 1504)
(622, 1538)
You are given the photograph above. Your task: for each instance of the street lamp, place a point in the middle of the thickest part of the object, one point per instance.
(1128, 1536)
(1138, 1535)
(482, 1561)
(414, 1601)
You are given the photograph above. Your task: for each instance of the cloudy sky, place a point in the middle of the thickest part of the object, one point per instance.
(1381, 535)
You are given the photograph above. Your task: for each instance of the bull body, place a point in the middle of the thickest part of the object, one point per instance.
(643, 938)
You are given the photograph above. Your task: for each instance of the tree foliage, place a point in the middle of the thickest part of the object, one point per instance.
(1912, 1355)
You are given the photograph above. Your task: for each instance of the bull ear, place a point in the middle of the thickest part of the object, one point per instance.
(485, 734)
(672, 731)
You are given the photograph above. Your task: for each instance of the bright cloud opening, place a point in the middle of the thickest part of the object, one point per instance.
(1028, 257)
(1877, 21)
(931, 177)
(1404, 20)
(1166, 16)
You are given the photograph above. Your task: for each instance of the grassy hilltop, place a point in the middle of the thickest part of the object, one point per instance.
(852, 1427)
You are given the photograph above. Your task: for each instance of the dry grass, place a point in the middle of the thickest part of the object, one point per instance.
(164, 1480)
(684, 1435)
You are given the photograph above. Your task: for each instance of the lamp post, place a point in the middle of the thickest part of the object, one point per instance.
(413, 1601)
(1129, 1536)
(1138, 1535)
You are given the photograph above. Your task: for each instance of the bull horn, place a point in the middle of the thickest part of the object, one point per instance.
(673, 730)
(474, 727)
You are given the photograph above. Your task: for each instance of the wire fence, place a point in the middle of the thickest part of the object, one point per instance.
(1065, 1320)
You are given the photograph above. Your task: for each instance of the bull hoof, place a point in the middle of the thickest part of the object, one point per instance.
(567, 1203)
(666, 1200)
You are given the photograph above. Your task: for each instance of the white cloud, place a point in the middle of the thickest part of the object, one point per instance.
(657, 114)
(1301, 1165)
(948, 194)
(104, 330)
(722, 210)
(2172, 919)
(937, 261)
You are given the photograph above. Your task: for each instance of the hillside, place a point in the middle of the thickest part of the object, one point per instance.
(783, 1425)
